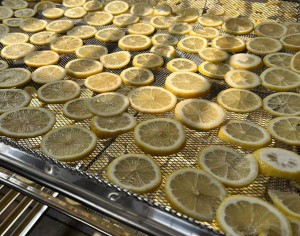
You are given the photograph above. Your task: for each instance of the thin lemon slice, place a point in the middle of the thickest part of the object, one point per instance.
(286, 129)
(141, 9)
(200, 114)
(245, 61)
(135, 172)
(41, 58)
(292, 27)
(190, 192)
(108, 104)
(161, 22)
(77, 110)
(91, 52)
(93, 5)
(116, 7)
(228, 166)
(210, 20)
(213, 54)
(295, 63)
(98, 18)
(47, 74)
(53, 13)
(12, 22)
(141, 29)
(188, 15)
(270, 29)
(280, 79)
(3, 65)
(41, 6)
(5, 12)
(66, 44)
(26, 122)
(60, 26)
(73, 3)
(82, 31)
(17, 51)
(152, 99)
(69, 143)
(217, 10)
(13, 98)
(116, 60)
(137, 76)
(82, 68)
(278, 59)
(162, 10)
(109, 35)
(134, 43)
(164, 39)
(164, 51)
(291, 42)
(15, 4)
(24, 13)
(263, 45)
(208, 33)
(75, 13)
(13, 38)
(245, 134)
(33, 25)
(214, 70)
(239, 215)
(282, 104)
(108, 127)
(182, 65)
(228, 44)
(43, 38)
(161, 136)
(103, 82)
(180, 28)
(14, 77)
(148, 60)
(192, 44)
(237, 26)
(125, 19)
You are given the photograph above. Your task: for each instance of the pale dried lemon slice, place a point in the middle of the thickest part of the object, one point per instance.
(108, 104)
(60, 26)
(108, 127)
(66, 44)
(279, 59)
(41, 58)
(115, 60)
(164, 39)
(24, 13)
(109, 35)
(124, 20)
(11, 99)
(83, 68)
(3, 65)
(141, 9)
(33, 25)
(292, 27)
(180, 28)
(200, 114)
(208, 33)
(295, 63)
(11, 22)
(161, 22)
(135, 172)
(73, 3)
(162, 10)
(164, 51)
(228, 43)
(210, 20)
(69, 143)
(17, 51)
(263, 45)
(93, 5)
(237, 26)
(43, 38)
(189, 191)
(160, 136)
(53, 13)
(141, 29)
(103, 82)
(148, 60)
(91, 52)
(14, 77)
(134, 43)
(182, 65)
(213, 54)
(214, 70)
(75, 13)
(217, 10)
(192, 44)
(137, 76)
(26, 122)
(245, 61)
(82, 31)
(13, 38)
(98, 18)
(116, 7)
(270, 29)
(291, 42)
(41, 6)
(77, 110)
(47, 74)
(5, 12)
(15, 4)
(188, 15)
(242, 79)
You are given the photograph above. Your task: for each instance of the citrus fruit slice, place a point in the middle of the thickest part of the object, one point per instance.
(292, 27)
(115, 60)
(188, 15)
(15, 4)
(47, 74)
(41, 6)
(13, 38)
(217, 10)
(26, 122)
(134, 43)
(182, 65)
(141, 9)
(75, 13)
(189, 191)
(152, 99)
(239, 215)
(3, 65)
(213, 54)
(228, 44)
(279, 59)
(137, 76)
(245, 134)
(43, 38)
(263, 45)
(245, 61)
(295, 63)
(214, 70)
(125, 19)
(270, 29)
(103, 82)
(208, 33)
(109, 35)
(237, 26)
(82, 68)
(66, 44)
(60, 26)
(24, 13)
(76, 109)
(162, 10)
(295, 225)
(291, 42)
(13, 98)
(148, 60)
(161, 136)
(135, 172)
(228, 166)
(69, 143)
(180, 28)
(83, 31)
(41, 58)
(5, 12)
(14, 77)
(164, 39)
(161, 22)
(58, 91)
(141, 29)
(164, 51)
(53, 13)
(98, 18)
(116, 7)
(17, 51)
(192, 44)
(108, 104)
(199, 114)
(33, 25)
(11, 22)
(91, 52)
(93, 5)
(73, 3)
(108, 127)
(210, 20)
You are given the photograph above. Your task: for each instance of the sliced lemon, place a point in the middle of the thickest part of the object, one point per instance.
(161, 136)
(164, 39)
(148, 60)
(76, 109)
(75, 13)
(244, 134)
(239, 215)
(24, 13)
(125, 19)
(292, 27)
(98, 18)
(47, 74)
(217, 10)
(83, 31)
(135, 172)
(210, 20)
(291, 42)
(180, 28)
(263, 45)
(33, 25)
(116, 7)
(14, 77)
(103, 82)
(182, 65)
(69, 143)
(278, 59)
(141, 29)
(213, 54)
(190, 192)
(208, 33)
(53, 13)
(245, 61)
(41, 58)
(73, 3)
(192, 44)
(17, 51)
(108, 127)
(3, 65)
(41, 6)
(82, 68)
(91, 52)
(109, 35)
(238, 26)
(13, 38)
(270, 29)
(5, 12)
(188, 15)
(43, 38)
(164, 51)
(11, 99)
(137, 76)
(162, 10)
(295, 63)
(161, 22)
(60, 26)
(134, 43)
(214, 70)
(141, 9)
(11, 22)
(93, 5)
(66, 44)
(228, 44)
(15, 4)
(295, 225)
(108, 104)
(26, 122)
(116, 60)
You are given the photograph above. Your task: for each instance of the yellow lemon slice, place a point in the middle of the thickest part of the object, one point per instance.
(188, 15)
(5, 12)
(161, 22)
(134, 43)
(33, 25)
(82, 68)
(192, 44)
(116, 60)
(13, 38)
(103, 82)
(47, 74)
(164, 51)
(24, 13)
(116, 7)
(210, 20)
(41, 6)
(245, 61)
(279, 59)
(77, 110)
(208, 33)
(11, 22)
(291, 42)
(263, 45)
(43, 38)
(66, 44)
(3, 65)
(41, 58)
(73, 3)
(98, 18)
(214, 70)
(137, 76)
(217, 10)
(182, 65)
(141, 29)
(91, 52)
(109, 35)
(53, 13)
(242, 79)
(17, 51)
(180, 28)
(82, 31)
(164, 39)
(270, 29)
(93, 5)
(11, 99)
(292, 27)
(237, 26)
(162, 10)
(295, 63)
(75, 13)
(213, 54)
(60, 26)
(15, 4)
(141, 9)
(148, 60)
(228, 44)
(14, 77)
(125, 19)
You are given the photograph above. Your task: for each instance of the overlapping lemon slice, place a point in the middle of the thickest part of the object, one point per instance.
(141, 9)
(13, 38)
(291, 42)
(214, 70)
(53, 13)
(47, 74)
(182, 65)
(134, 43)
(124, 20)
(115, 60)
(164, 39)
(210, 20)
(164, 51)
(148, 60)
(91, 52)
(188, 15)
(41, 58)
(66, 44)
(217, 10)
(295, 63)
(3, 65)
(15, 4)
(82, 68)
(103, 82)
(77, 110)
(98, 18)
(242, 79)
(24, 13)
(4, 29)
(192, 44)
(245, 61)
(162, 10)
(12, 22)
(263, 45)
(43, 38)
(14, 77)
(5, 12)
(292, 27)
(41, 6)
(60, 26)
(17, 51)
(161, 22)
(75, 13)
(11, 99)
(93, 5)
(270, 29)
(141, 28)
(82, 31)
(109, 35)
(213, 54)
(180, 28)
(137, 76)
(116, 7)
(33, 25)
(208, 33)
(73, 3)
(279, 59)
(228, 44)
(237, 26)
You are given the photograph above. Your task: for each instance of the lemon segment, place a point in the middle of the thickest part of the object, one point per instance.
(291, 42)
(137, 76)
(3, 65)
(15, 4)
(116, 7)
(66, 44)
(292, 27)
(98, 18)
(12, 99)
(77, 110)
(192, 44)
(14, 77)
(83, 31)
(17, 51)
(214, 70)
(82, 68)
(134, 43)
(141, 9)
(93, 52)
(41, 58)
(11, 22)
(93, 5)
(180, 28)
(208, 33)
(217, 10)
(210, 20)
(5, 12)
(43, 38)
(188, 15)
(238, 26)
(278, 59)
(109, 35)
(24, 13)
(60, 26)
(213, 54)
(103, 82)
(161, 22)
(270, 29)
(33, 25)
(124, 20)
(263, 45)
(228, 44)
(182, 65)
(47, 74)
(295, 63)
(41, 6)
(164, 51)
(73, 3)
(13, 38)
(116, 60)
(245, 61)
(164, 39)
(162, 10)
(141, 29)
(75, 13)
(148, 61)
(53, 13)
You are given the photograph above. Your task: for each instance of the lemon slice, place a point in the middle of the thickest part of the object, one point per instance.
(125, 19)
(47, 74)
(115, 60)
(237, 26)
(14, 77)
(278, 59)
(98, 18)
(291, 42)
(286, 129)
(135, 172)
(134, 43)
(3, 65)
(103, 82)
(109, 35)
(69, 143)
(200, 114)
(228, 44)
(15, 4)
(217, 10)
(66, 44)
(180, 28)
(13, 38)
(77, 110)
(292, 27)
(82, 68)
(11, 22)
(137, 76)
(24, 13)
(164, 39)
(208, 33)
(295, 225)
(141, 9)
(162, 10)
(270, 29)
(17, 51)
(41, 58)
(11, 99)
(108, 127)
(116, 7)
(152, 99)
(141, 29)
(91, 52)
(161, 22)
(161, 136)
(108, 104)
(60, 26)
(75, 13)
(190, 192)
(73, 3)
(148, 60)
(93, 5)
(53, 13)
(192, 44)
(242, 79)
(5, 12)
(33, 25)
(214, 70)
(245, 61)
(263, 45)
(41, 6)
(295, 63)
(280, 79)
(164, 51)
(239, 215)
(188, 15)
(238, 100)
(181, 65)
(82, 31)
(213, 54)
(245, 134)
(43, 38)
(210, 20)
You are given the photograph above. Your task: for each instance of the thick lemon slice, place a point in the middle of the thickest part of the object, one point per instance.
(91, 52)
(116, 7)
(214, 70)
(69, 143)
(188, 15)
(161, 22)
(13, 98)
(228, 44)
(180, 28)
(116, 60)
(192, 44)
(93, 5)
(200, 114)
(66, 44)
(5, 12)
(108, 127)
(270, 29)
(109, 34)
(14, 38)
(26, 122)
(82, 68)
(103, 82)
(15, 4)
(161, 136)
(238, 26)
(245, 61)
(137, 76)
(164, 39)
(3, 65)
(239, 215)
(83, 31)
(47, 74)
(208, 33)
(291, 42)
(164, 51)
(125, 19)
(213, 54)
(141, 9)
(141, 29)
(73, 3)
(278, 59)
(148, 60)
(53, 13)
(17, 51)
(11, 22)
(43, 38)
(295, 63)
(14, 77)
(135, 172)
(24, 13)
(98, 18)
(75, 13)
(210, 20)
(162, 10)
(190, 192)
(41, 58)
(41, 6)
(134, 43)
(292, 27)
(33, 25)
(263, 45)
(77, 110)
(228, 166)
(245, 134)
(60, 26)
(152, 99)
